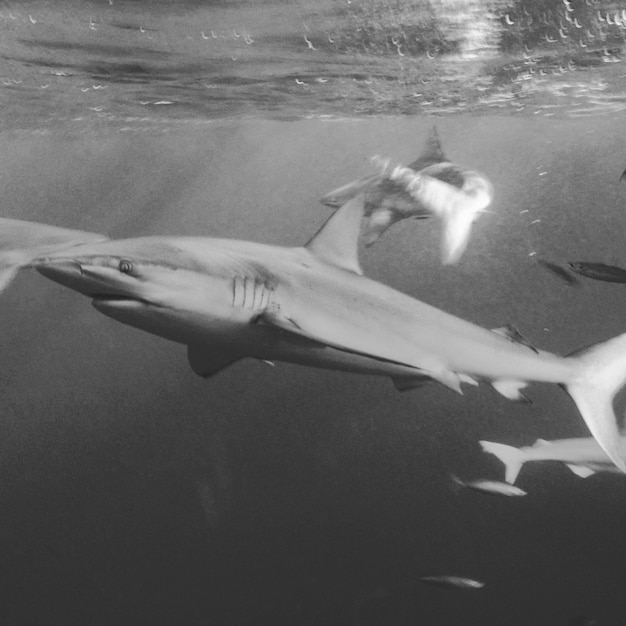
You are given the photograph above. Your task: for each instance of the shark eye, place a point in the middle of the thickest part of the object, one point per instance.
(126, 267)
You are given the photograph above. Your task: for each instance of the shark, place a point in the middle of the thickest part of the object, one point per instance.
(582, 455)
(430, 186)
(226, 300)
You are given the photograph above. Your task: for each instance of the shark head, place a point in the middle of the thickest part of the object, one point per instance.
(160, 285)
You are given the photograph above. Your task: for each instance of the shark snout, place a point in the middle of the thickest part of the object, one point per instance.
(73, 275)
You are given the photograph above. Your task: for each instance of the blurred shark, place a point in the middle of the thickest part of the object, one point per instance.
(311, 305)
(583, 456)
(429, 186)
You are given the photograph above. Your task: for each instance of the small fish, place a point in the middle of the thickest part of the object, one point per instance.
(622, 178)
(452, 582)
(490, 487)
(559, 272)
(600, 271)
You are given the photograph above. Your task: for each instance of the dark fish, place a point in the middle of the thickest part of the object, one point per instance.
(622, 178)
(559, 272)
(600, 271)
(452, 582)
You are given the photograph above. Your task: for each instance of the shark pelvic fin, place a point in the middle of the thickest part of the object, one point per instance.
(206, 362)
(580, 470)
(337, 241)
(511, 389)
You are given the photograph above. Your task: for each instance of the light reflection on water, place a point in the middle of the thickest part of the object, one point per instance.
(116, 62)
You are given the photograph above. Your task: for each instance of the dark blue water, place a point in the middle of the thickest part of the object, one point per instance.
(133, 492)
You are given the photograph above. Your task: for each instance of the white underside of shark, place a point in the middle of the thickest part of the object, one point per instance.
(228, 300)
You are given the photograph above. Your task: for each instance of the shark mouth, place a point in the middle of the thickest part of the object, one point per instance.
(118, 300)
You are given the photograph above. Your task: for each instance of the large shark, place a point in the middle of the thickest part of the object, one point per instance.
(583, 455)
(429, 186)
(226, 300)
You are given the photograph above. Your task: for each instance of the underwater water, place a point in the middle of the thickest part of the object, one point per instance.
(133, 491)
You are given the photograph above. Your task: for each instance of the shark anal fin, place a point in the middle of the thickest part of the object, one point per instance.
(206, 362)
(580, 470)
(337, 241)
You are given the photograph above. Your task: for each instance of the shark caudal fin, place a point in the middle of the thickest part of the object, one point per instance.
(513, 458)
(21, 242)
(601, 373)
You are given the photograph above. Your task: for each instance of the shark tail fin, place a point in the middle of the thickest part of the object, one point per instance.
(513, 458)
(601, 373)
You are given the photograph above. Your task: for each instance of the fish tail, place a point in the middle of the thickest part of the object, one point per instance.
(601, 373)
(456, 484)
(513, 458)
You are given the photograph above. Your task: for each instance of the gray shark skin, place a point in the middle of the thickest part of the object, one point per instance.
(429, 186)
(311, 305)
(583, 456)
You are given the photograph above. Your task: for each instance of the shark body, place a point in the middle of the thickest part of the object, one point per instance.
(227, 300)
(583, 456)
(430, 186)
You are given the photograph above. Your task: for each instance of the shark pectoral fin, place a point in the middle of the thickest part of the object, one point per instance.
(511, 389)
(510, 332)
(337, 241)
(408, 382)
(206, 362)
(457, 226)
(581, 470)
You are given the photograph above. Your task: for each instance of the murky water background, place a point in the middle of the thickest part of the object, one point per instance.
(132, 492)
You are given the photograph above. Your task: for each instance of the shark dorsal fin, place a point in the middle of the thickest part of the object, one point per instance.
(542, 442)
(431, 154)
(337, 241)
